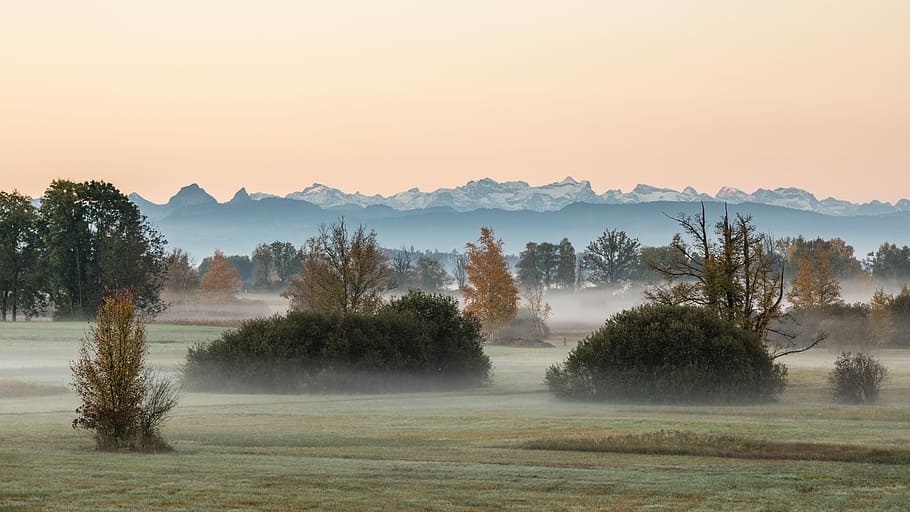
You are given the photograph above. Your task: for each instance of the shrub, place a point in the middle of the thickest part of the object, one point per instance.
(857, 378)
(418, 341)
(123, 402)
(660, 353)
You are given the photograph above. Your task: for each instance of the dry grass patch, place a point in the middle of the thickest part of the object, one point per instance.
(677, 442)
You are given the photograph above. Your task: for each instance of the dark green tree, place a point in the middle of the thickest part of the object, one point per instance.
(286, 259)
(538, 263)
(97, 240)
(611, 258)
(527, 267)
(430, 275)
(890, 262)
(262, 263)
(21, 278)
(565, 271)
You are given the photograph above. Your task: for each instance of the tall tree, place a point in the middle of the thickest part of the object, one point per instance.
(548, 263)
(182, 277)
(458, 272)
(97, 240)
(881, 318)
(262, 264)
(286, 259)
(220, 281)
(814, 285)
(538, 263)
(430, 275)
(527, 268)
(611, 258)
(491, 294)
(402, 267)
(345, 272)
(565, 271)
(890, 262)
(241, 263)
(837, 254)
(734, 276)
(537, 306)
(21, 277)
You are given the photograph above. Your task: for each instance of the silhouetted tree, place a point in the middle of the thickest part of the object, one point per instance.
(611, 258)
(430, 275)
(21, 251)
(565, 271)
(97, 240)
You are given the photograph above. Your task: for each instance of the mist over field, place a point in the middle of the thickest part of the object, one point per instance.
(455, 256)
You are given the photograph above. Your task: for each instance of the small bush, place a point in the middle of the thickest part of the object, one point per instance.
(658, 353)
(418, 341)
(123, 402)
(857, 378)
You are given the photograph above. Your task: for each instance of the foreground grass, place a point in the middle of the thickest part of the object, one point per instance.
(458, 450)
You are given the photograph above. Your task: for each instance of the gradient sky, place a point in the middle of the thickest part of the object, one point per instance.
(383, 96)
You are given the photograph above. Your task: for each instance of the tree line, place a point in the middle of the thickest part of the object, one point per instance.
(64, 254)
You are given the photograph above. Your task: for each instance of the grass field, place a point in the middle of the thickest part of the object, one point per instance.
(467, 450)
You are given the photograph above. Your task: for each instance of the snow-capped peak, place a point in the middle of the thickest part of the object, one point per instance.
(519, 195)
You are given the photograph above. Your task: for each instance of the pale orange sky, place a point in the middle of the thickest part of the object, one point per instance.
(383, 96)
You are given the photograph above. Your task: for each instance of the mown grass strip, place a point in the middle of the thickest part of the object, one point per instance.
(19, 389)
(676, 442)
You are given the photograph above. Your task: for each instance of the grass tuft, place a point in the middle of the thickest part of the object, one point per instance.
(677, 442)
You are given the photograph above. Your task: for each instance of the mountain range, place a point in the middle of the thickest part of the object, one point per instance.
(519, 195)
(447, 218)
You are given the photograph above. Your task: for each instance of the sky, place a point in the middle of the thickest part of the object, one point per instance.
(380, 97)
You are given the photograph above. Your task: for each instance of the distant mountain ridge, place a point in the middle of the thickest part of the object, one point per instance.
(519, 195)
(194, 221)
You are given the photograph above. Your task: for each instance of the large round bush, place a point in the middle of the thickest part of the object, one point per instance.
(419, 341)
(668, 354)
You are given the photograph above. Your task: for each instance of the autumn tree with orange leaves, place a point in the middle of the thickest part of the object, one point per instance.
(490, 293)
(220, 282)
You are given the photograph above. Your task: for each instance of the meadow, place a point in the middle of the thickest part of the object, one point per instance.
(507, 446)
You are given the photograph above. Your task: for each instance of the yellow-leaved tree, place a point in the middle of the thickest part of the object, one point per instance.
(814, 285)
(124, 402)
(880, 317)
(490, 293)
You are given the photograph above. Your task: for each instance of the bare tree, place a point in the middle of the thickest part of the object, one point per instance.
(402, 266)
(734, 276)
(459, 272)
(537, 307)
